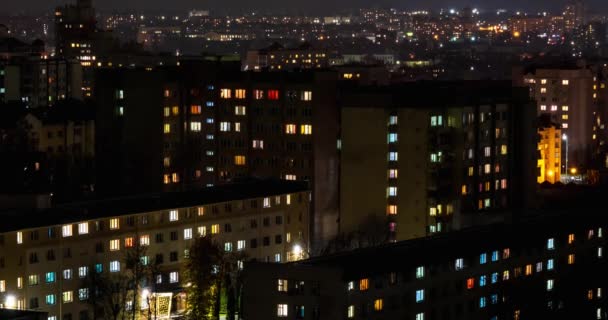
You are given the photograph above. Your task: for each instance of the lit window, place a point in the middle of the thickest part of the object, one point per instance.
(239, 160)
(482, 302)
(282, 285)
(240, 110)
(83, 294)
(505, 275)
(503, 149)
(393, 173)
(258, 94)
(19, 282)
(290, 129)
(564, 117)
(83, 271)
(215, 229)
(173, 277)
(225, 93)
(363, 284)
(393, 156)
(32, 280)
(50, 299)
(600, 252)
(550, 264)
(258, 144)
(528, 269)
(187, 233)
(378, 305)
(549, 284)
(67, 297)
(392, 120)
(543, 90)
(420, 272)
(288, 199)
(129, 242)
(565, 82)
(391, 209)
(565, 125)
(483, 258)
(391, 191)
(495, 256)
(83, 228)
(173, 215)
(114, 266)
(237, 127)
(167, 128)
(202, 231)
(351, 311)
(419, 295)
(114, 245)
(114, 224)
(2, 285)
(144, 240)
(564, 108)
(543, 107)
(277, 257)
(470, 283)
(240, 93)
(571, 258)
(19, 237)
(266, 202)
(66, 230)
(571, 238)
(550, 244)
(67, 274)
(459, 264)
(554, 108)
(195, 109)
(195, 126)
(273, 94)
(306, 96)
(494, 277)
(281, 310)
(420, 316)
(392, 137)
(305, 129)
(482, 281)
(224, 126)
(240, 245)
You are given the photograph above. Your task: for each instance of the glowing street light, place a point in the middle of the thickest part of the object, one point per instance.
(573, 171)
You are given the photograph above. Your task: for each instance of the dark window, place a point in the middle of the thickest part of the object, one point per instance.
(159, 238)
(278, 239)
(67, 252)
(130, 221)
(33, 257)
(50, 255)
(33, 303)
(253, 243)
(266, 241)
(98, 247)
(67, 316)
(279, 220)
(173, 256)
(83, 315)
(34, 235)
(52, 233)
(227, 227)
(266, 221)
(98, 225)
(228, 207)
(173, 235)
(254, 223)
(254, 204)
(159, 258)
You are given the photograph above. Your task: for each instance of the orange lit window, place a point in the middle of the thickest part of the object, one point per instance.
(506, 253)
(290, 129)
(378, 305)
(571, 238)
(239, 160)
(175, 110)
(129, 242)
(166, 179)
(273, 94)
(175, 177)
(470, 283)
(225, 93)
(571, 258)
(363, 284)
(167, 93)
(240, 93)
(464, 189)
(528, 269)
(201, 211)
(392, 209)
(195, 109)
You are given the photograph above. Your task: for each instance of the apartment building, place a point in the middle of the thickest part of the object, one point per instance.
(550, 150)
(429, 157)
(45, 259)
(546, 267)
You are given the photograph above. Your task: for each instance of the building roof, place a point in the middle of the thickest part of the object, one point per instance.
(73, 212)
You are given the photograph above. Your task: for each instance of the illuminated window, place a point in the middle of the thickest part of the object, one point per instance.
(305, 129)
(543, 90)
(505, 275)
(393, 156)
(571, 258)
(543, 81)
(495, 256)
(237, 127)
(282, 310)
(83, 271)
(503, 149)
(459, 264)
(225, 93)
(144, 240)
(351, 311)
(67, 274)
(166, 179)
(240, 93)
(528, 269)
(391, 191)
(114, 266)
(600, 252)
(306, 96)
(549, 284)
(290, 129)
(363, 284)
(393, 173)
(19, 282)
(571, 238)
(129, 242)
(378, 305)
(241, 244)
(19, 237)
(419, 295)
(564, 117)
(224, 126)
(543, 107)
(195, 126)
(565, 82)
(195, 109)
(2, 285)
(33, 280)
(282, 285)
(167, 93)
(494, 278)
(436, 121)
(564, 108)
(550, 244)
(215, 229)
(392, 138)
(482, 281)
(83, 228)
(420, 316)
(258, 144)
(258, 94)
(553, 108)
(175, 177)
(67, 297)
(202, 231)
(471, 171)
(173, 277)
(470, 283)
(483, 258)
(565, 125)
(420, 272)
(114, 245)
(167, 128)
(66, 230)
(273, 94)
(239, 160)
(173, 215)
(288, 199)
(175, 110)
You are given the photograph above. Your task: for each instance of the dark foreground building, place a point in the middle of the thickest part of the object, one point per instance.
(551, 266)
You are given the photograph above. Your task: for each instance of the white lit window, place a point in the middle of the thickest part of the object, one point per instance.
(2, 285)
(173, 277)
(114, 245)
(266, 202)
(600, 252)
(277, 257)
(144, 240)
(114, 266)
(258, 144)
(543, 107)
(393, 156)
(83, 228)
(281, 310)
(114, 224)
(67, 274)
(459, 264)
(554, 107)
(237, 127)
(549, 284)
(19, 237)
(420, 316)
(83, 271)
(195, 126)
(391, 191)
(228, 246)
(306, 96)
(392, 120)
(240, 245)
(351, 311)
(550, 244)
(66, 230)
(224, 126)
(550, 264)
(288, 199)
(565, 82)
(187, 233)
(173, 215)
(240, 110)
(420, 272)
(282, 285)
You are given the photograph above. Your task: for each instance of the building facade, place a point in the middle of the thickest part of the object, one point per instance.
(550, 150)
(45, 260)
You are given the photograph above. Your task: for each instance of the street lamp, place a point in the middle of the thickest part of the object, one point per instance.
(565, 138)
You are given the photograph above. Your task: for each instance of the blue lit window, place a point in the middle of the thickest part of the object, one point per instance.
(420, 295)
(550, 244)
(210, 87)
(494, 277)
(300, 312)
(495, 256)
(482, 302)
(494, 299)
(210, 120)
(483, 258)
(392, 137)
(482, 281)
(550, 264)
(50, 277)
(50, 299)
(99, 268)
(393, 156)
(210, 104)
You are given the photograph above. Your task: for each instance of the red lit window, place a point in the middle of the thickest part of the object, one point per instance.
(273, 94)
(470, 283)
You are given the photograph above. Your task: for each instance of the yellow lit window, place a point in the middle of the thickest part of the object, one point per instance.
(114, 245)
(225, 93)
(392, 209)
(543, 81)
(378, 305)
(240, 93)
(565, 82)
(564, 108)
(306, 95)
(239, 160)
(175, 110)
(167, 162)
(166, 111)
(129, 242)
(290, 129)
(464, 189)
(503, 149)
(166, 179)
(564, 117)
(571, 258)
(306, 129)
(114, 224)
(528, 269)
(363, 284)
(175, 177)
(67, 296)
(432, 211)
(347, 76)
(288, 199)
(571, 238)
(505, 275)
(240, 110)
(471, 171)
(543, 90)
(167, 128)
(215, 229)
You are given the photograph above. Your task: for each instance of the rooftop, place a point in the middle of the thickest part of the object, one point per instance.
(13, 220)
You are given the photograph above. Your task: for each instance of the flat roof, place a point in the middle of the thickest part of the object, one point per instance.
(13, 220)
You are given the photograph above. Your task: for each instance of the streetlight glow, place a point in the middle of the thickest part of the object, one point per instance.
(10, 302)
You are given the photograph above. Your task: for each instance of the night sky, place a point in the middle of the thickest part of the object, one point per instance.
(316, 6)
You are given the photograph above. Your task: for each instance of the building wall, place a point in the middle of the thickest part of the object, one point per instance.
(276, 223)
(549, 148)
